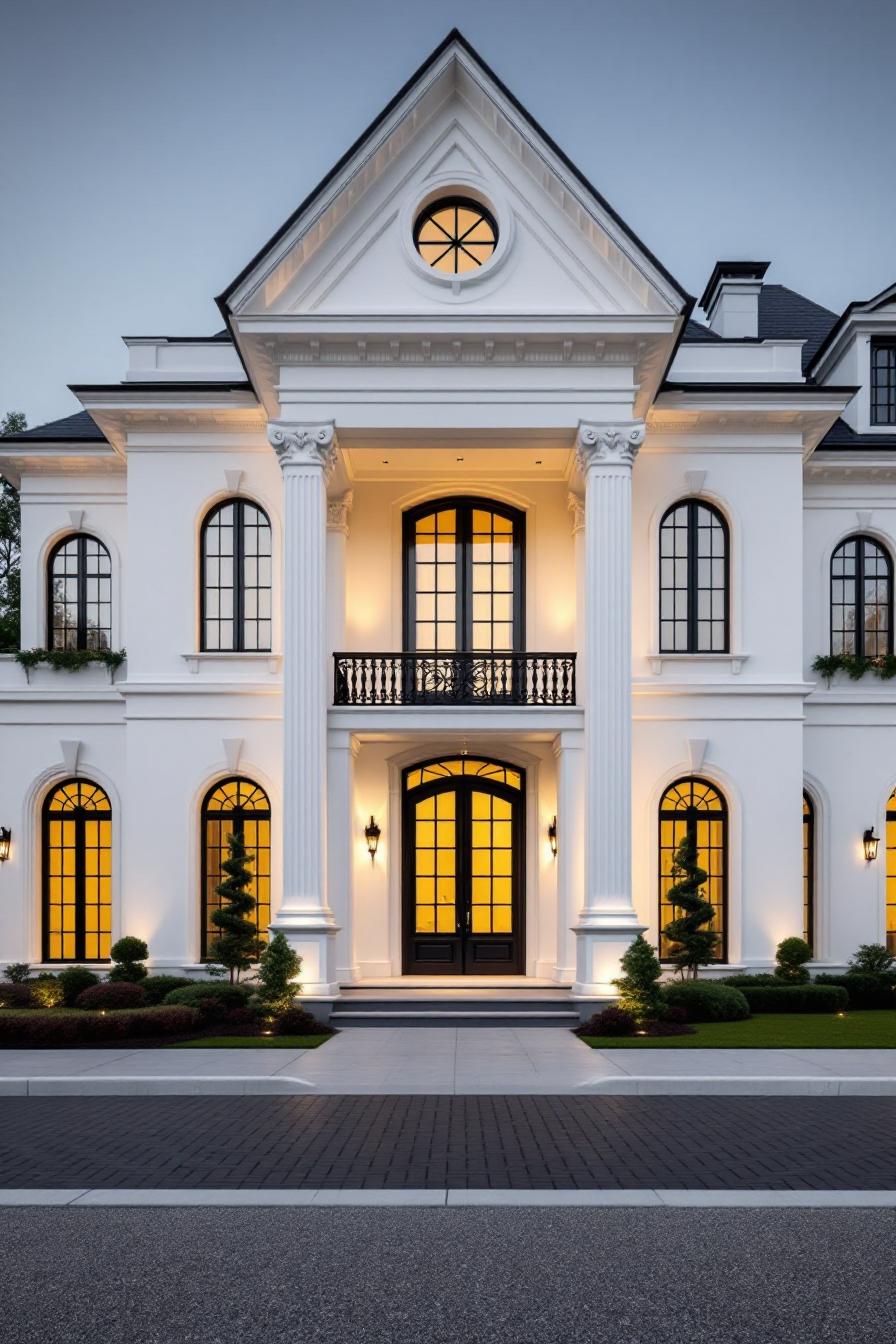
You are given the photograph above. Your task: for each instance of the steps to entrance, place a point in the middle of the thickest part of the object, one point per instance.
(482, 1006)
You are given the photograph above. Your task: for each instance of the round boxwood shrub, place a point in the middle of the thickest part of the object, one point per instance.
(155, 987)
(111, 994)
(705, 1001)
(796, 998)
(46, 991)
(75, 979)
(296, 1022)
(213, 999)
(128, 955)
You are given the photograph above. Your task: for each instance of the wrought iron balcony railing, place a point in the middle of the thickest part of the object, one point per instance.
(455, 679)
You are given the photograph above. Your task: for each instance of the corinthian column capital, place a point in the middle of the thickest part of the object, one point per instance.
(616, 445)
(338, 511)
(303, 445)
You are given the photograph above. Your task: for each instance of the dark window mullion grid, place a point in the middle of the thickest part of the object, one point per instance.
(239, 578)
(691, 817)
(809, 871)
(883, 383)
(852, 597)
(82, 593)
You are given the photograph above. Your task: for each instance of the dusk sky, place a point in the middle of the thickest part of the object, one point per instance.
(149, 150)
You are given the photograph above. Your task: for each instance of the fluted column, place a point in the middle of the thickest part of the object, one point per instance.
(607, 921)
(306, 454)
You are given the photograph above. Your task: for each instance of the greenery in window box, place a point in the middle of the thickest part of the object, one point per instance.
(827, 665)
(70, 660)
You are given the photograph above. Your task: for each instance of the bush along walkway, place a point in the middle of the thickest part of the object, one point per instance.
(776, 1031)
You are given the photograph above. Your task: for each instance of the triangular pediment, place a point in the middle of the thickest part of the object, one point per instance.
(348, 250)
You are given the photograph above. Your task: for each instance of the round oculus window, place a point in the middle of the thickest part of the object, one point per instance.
(455, 235)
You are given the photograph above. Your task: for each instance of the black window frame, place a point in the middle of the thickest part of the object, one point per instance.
(809, 869)
(455, 242)
(858, 601)
(464, 506)
(78, 815)
(239, 817)
(238, 644)
(81, 577)
(889, 383)
(691, 816)
(693, 506)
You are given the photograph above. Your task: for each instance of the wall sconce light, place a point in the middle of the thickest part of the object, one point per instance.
(372, 836)
(5, 840)
(870, 842)
(552, 837)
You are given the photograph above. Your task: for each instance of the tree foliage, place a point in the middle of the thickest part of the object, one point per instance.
(277, 970)
(692, 942)
(238, 944)
(10, 545)
(639, 990)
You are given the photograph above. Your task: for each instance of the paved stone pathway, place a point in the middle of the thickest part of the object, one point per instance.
(418, 1142)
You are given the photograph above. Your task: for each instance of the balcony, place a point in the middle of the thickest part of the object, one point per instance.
(454, 679)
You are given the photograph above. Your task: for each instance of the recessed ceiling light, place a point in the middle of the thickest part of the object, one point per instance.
(538, 461)
(385, 461)
(458, 459)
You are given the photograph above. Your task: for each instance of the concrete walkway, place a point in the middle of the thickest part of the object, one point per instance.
(453, 1061)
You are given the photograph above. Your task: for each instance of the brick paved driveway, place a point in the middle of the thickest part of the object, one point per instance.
(775, 1143)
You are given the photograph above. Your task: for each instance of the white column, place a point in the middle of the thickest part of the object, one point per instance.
(607, 922)
(306, 454)
(338, 510)
(569, 753)
(342, 748)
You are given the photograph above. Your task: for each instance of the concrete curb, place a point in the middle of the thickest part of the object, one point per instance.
(279, 1085)
(442, 1198)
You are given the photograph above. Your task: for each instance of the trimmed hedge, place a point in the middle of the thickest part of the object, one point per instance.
(866, 989)
(296, 1022)
(707, 1001)
(796, 998)
(112, 994)
(74, 980)
(155, 987)
(65, 1027)
(212, 998)
(744, 980)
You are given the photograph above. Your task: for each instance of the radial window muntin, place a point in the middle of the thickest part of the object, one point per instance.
(455, 235)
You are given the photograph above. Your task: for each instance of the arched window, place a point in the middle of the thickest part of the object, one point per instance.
(77, 873)
(79, 594)
(809, 870)
(695, 807)
(693, 579)
(861, 598)
(235, 807)
(236, 579)
(891, 874)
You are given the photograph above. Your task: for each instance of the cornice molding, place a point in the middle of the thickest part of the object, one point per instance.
(609, 445)
(338, 510)
(611, 348)
(303, 445)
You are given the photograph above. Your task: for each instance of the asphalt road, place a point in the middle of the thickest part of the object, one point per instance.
(447, 1276)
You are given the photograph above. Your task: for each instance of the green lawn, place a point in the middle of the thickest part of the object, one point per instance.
(772, 1031)
(249, 1043)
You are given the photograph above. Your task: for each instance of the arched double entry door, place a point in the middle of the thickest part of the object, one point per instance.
(464, 846)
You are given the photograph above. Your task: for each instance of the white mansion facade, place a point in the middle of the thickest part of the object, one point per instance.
(465, 543)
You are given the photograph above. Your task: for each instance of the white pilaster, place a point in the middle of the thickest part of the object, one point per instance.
(342, 749)
(569, 753)
(306, 454)
(607, 921)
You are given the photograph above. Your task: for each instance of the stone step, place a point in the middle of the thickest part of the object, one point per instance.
(448, 1011)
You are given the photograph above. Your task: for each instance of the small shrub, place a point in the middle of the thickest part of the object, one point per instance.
(46, 991)
(278, 968)
(611, 1021)
(639, 989)
(213, 1001)
(155, 987)
(874, 958)
(707, 1001)
(296, 1022)
(865, 988)
(812, 998)
(73, 980)
(68, 1027)
(17, 972)
(111, 994)
(129, 955)
(16, 996)
(791, 956)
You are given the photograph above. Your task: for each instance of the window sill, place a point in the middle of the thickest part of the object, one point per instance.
(193, 660)
(734, 661)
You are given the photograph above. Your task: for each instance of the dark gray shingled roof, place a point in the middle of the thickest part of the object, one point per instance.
(842, 435)
(784, 315)
(77, 428)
